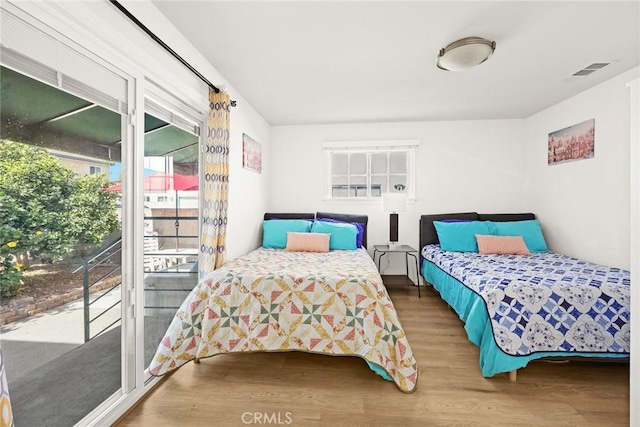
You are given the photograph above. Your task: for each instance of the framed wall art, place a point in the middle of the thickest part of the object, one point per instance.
(572, 143)
(251, 154)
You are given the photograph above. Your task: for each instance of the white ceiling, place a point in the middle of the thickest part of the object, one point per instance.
(312, 62)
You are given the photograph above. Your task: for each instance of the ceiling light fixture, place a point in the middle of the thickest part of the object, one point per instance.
(465, 54)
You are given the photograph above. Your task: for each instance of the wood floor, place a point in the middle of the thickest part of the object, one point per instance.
(302, 389)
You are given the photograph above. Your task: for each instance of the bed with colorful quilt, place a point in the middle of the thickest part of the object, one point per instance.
(518, 300)
(312, 287)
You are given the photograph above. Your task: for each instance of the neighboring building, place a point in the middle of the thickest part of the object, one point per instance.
(82, 165)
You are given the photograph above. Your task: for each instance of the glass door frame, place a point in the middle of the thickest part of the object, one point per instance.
(174, 104)
(132, 155)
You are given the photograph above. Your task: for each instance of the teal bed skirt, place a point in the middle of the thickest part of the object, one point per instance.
(472, 311)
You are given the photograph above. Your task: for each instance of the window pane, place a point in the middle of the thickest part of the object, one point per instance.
(358, 163)
(379, 163)
(339, 163)
(358, 187)
(398, 162)
(398, 183)
(370, 172)
(378, 185)
(339, 186)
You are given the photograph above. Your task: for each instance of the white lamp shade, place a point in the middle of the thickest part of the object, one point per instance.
(465, 54)
(394, 202)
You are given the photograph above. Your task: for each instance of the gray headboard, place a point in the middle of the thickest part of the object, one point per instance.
(428, 235)
(362, 219)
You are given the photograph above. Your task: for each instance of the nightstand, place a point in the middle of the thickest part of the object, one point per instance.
(382, 250)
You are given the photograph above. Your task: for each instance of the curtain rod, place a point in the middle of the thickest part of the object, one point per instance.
(165, 46)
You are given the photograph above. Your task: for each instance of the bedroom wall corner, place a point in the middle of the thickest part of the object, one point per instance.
(583, 205)
(248, 190)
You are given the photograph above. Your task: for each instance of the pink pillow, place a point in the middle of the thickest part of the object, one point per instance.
(502, 245)
(307, 242)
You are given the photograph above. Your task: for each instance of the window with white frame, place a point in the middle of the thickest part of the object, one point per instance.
(94, 170)
(367, 169)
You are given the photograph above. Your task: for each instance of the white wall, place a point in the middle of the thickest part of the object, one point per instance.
(461, 166)
(634, 95)
(584, 205)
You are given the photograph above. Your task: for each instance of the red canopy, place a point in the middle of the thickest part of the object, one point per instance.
(164, 182)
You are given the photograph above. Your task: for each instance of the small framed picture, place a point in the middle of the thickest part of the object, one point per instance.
(251, 154)
(572, 143)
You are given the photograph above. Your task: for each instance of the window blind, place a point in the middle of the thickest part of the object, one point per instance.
(44, 57)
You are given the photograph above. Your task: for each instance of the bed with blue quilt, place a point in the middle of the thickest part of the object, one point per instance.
(517, 308)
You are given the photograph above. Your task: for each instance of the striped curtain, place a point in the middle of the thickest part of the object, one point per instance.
(213, 252)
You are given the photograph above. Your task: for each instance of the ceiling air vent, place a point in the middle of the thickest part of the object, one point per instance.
(584, 72)
(592, 68)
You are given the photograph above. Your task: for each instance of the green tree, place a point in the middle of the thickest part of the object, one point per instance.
(94, 210)
(46, 209)
(11, 243)
(33, 179)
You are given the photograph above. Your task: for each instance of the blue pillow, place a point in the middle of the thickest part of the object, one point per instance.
(275, 231)
(530, 231)
(460, 236)
(343, 235)
(358, 225)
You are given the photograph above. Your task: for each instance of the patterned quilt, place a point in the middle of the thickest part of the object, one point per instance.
(272, 300)
(546, 301)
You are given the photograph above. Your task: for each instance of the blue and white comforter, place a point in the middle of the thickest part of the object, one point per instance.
(546, 301)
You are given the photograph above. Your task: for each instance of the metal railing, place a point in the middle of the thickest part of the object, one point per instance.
(104, 257)
(110, 256)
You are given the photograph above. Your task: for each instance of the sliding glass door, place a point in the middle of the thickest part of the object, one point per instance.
(171, 206)
(99, 223)
(62, 282)
(67, 236)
